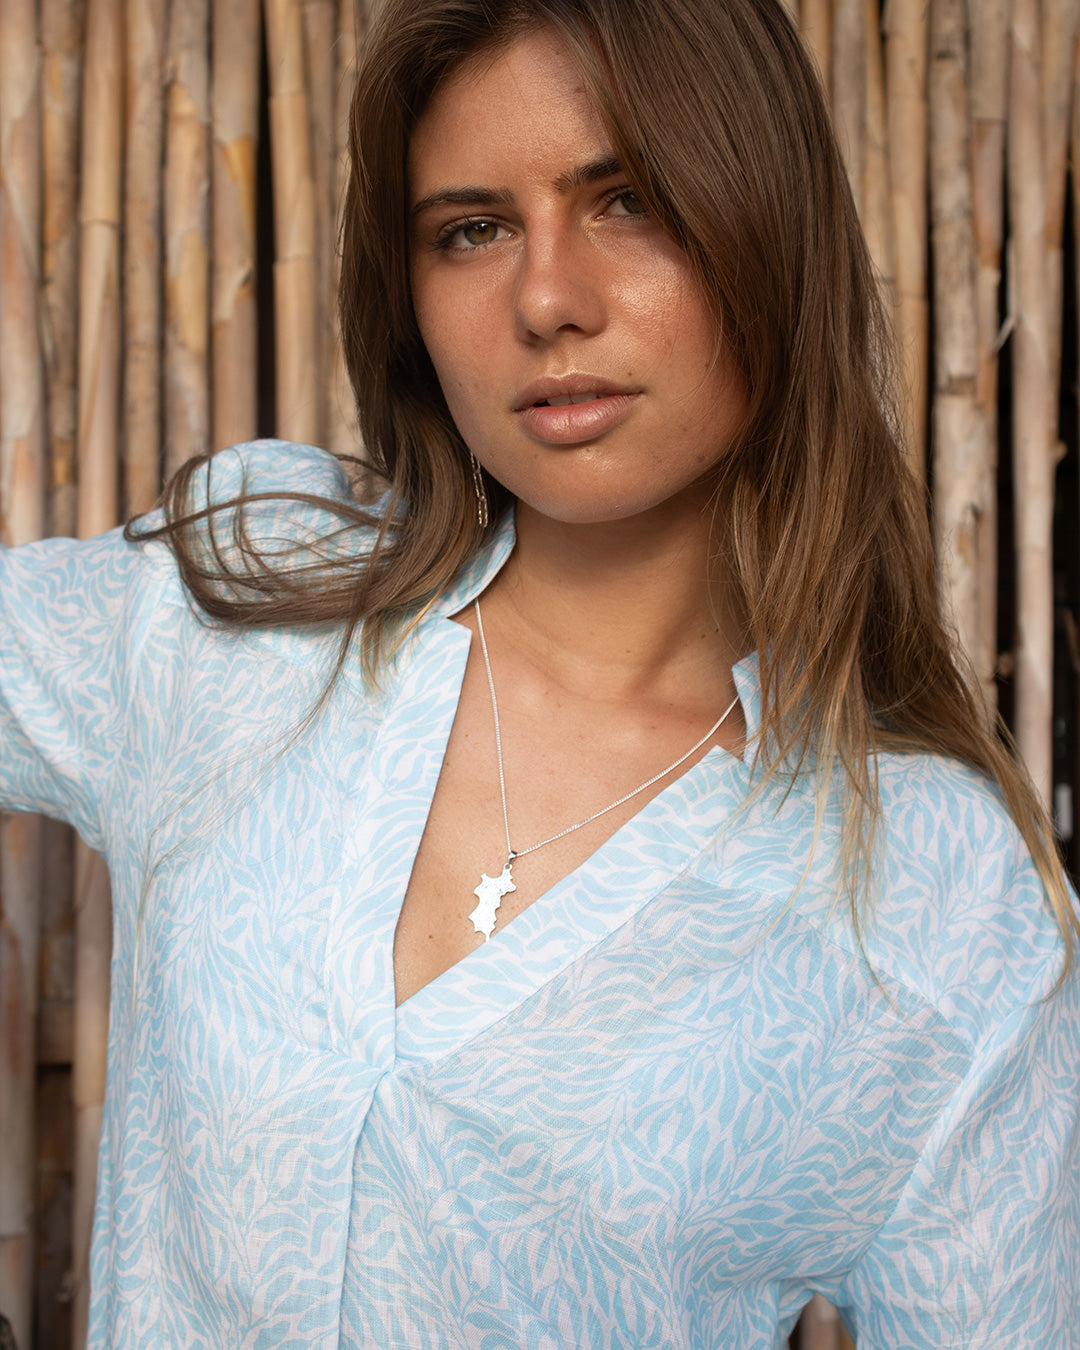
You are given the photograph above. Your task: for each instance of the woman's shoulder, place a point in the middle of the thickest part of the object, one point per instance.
(269, 466)
(960, 908)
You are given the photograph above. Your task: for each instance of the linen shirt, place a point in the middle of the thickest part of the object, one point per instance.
(660, 1108)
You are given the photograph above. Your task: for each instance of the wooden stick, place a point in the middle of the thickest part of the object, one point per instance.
(849, 89)
(187, 233)
(1033, 435)
(22, 518)
(295, 279)
(815, 26)
(343, 432)
(820, 1327)
(1071, 625)
(988, 36)
(957, 449)
(907, 35)
(98, 426)
(62, 28)
(93, 949)
(320, 66)
(235, 120)
(146, 21)
(99, 269)
(877, 197)
(1058, 39)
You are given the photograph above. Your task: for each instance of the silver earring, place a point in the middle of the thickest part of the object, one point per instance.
(482, 514)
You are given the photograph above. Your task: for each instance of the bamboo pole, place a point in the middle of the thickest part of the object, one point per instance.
(988, 36)
(62, 28)
(820, 1327)
(1073, 506)
(907, 34)
(320, 22)
(22, 518)
(1033, 435)
(98, 426)
(958, 451)
(99, 270)
(815, 25)
(1058, 42)
(146, 21)
(343, 432)
(235, 121)
(187, 233)
(295, 279)
(93, 950)
(849, 90)
(877, 203)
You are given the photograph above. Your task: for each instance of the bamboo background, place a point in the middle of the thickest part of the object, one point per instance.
(169, 178)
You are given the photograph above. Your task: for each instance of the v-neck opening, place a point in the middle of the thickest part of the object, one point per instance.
(633, 865)
(387, 813)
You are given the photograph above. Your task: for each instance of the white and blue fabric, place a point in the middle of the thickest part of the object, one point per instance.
(659, 1108)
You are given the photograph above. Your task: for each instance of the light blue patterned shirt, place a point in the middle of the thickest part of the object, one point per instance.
(661, 1107)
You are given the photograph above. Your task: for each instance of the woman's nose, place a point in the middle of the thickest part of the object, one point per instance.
(560, 287)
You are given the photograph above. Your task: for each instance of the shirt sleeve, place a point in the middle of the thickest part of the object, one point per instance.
(983, 1247)
(66, 628)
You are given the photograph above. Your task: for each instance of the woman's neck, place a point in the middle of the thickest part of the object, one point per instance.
(621, 607)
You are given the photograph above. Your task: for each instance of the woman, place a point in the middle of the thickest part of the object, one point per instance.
(506, 955)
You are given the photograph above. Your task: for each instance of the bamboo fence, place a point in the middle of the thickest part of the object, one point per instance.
(139, 197)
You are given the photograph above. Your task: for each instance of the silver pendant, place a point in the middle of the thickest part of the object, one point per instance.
(489, 894)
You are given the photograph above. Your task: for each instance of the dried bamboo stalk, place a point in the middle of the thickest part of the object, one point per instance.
(187, 233)
(958, 452)
(1058, 40)
(235, 120)
(1071, 625)
(295, 279)
(815, 26)
(99, 269)
(907, 36)
(98, 426)
(820, 1327)
(320, 31)
(22, 518)
(146, 21)
(849, 89)
(62, 28)
(877, 203)
(988, 36)
(343, 431)
(93, 950)
(1033, 434)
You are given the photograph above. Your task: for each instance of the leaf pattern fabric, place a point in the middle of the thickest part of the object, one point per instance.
(660, 1108)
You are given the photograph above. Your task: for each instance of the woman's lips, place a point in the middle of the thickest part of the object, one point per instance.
(563, 423)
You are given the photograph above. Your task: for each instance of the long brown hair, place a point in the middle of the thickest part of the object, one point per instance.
(718, 120)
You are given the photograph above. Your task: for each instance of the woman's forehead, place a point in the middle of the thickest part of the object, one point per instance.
(527, 98)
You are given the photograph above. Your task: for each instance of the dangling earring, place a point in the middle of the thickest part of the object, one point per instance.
(482, 515)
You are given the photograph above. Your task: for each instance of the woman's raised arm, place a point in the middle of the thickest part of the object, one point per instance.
(68, 627)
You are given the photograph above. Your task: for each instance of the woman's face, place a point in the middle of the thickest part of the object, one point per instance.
(573, 344)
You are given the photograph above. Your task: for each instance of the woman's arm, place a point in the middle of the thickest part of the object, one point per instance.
(68, 623)
(983, 1248)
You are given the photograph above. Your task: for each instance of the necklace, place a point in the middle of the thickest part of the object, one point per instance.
(491, 890)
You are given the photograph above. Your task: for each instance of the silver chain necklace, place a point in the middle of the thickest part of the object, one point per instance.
(492, 889)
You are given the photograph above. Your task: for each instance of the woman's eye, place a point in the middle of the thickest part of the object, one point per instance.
(626, 202)
(472, 234)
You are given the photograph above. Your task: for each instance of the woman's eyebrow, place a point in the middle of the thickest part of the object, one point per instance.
(581, 175)
(463, 196)
(584, 175)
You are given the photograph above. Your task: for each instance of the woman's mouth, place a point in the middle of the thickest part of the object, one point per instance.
(571, 418)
